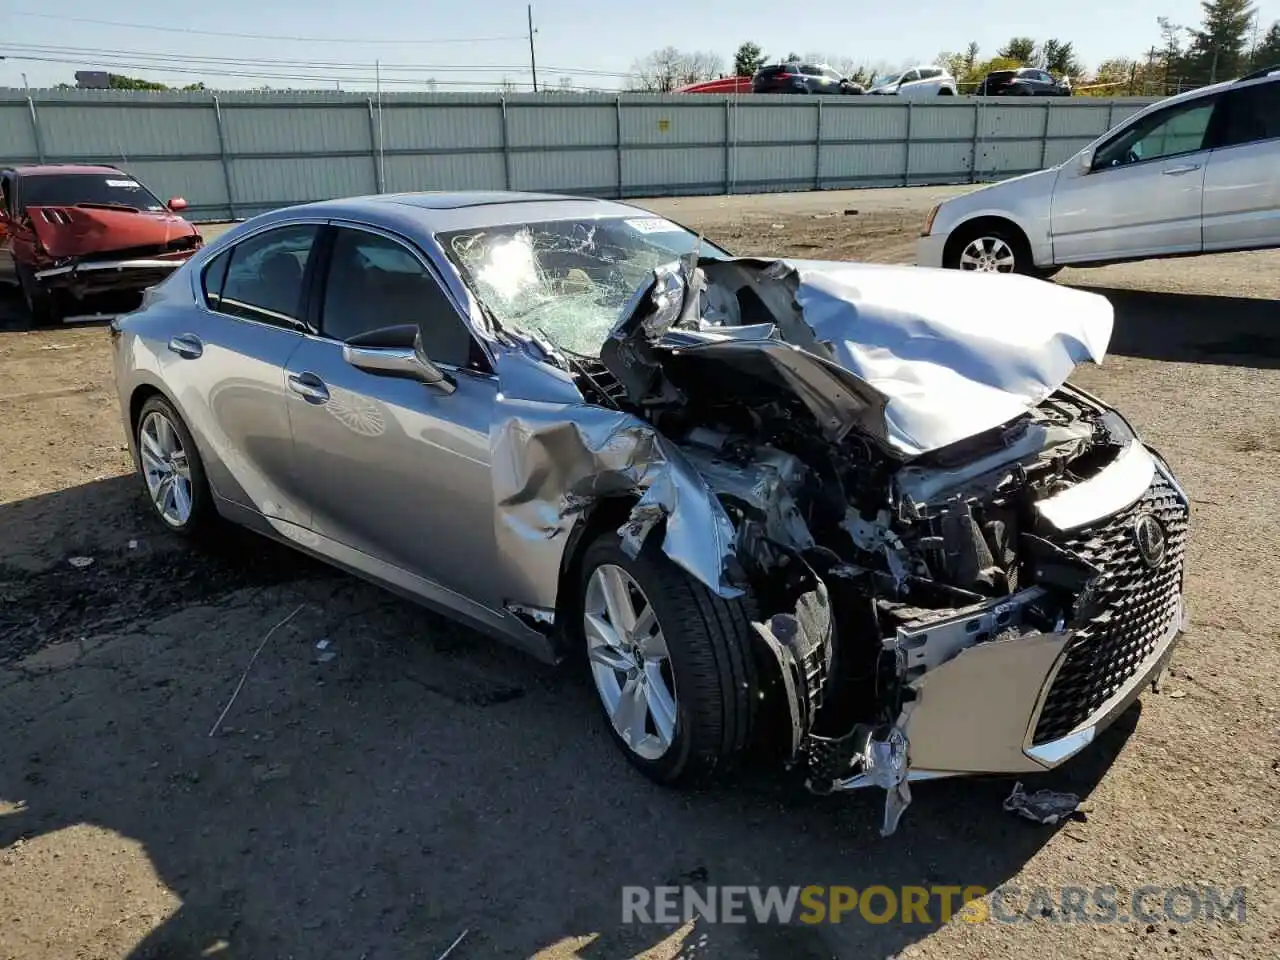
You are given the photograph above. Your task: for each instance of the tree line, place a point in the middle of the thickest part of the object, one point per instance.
(1227, 43)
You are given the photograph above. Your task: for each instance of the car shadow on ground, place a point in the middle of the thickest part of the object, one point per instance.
(419, 782)
(1194, 328)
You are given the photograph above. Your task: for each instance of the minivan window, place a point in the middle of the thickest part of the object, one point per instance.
(1252, 114)
(1167, 133)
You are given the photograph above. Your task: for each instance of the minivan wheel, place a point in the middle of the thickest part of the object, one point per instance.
(671, 663)
(171, 469)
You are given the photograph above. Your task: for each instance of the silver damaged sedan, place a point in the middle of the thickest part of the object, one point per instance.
(852, 513)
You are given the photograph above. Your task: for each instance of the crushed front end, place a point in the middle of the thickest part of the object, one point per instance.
(939, 600)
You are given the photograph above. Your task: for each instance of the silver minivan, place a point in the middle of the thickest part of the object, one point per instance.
(1196, 173)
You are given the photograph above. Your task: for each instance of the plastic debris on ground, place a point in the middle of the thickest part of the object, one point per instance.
(1043, 806)
(80, 562)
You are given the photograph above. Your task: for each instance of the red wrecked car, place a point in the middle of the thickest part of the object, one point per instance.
(70, 232)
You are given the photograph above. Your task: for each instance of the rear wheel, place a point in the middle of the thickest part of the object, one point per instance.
(671, 662)
(171, 469)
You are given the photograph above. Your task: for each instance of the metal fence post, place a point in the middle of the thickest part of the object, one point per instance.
(379, 186)
(1044, 137)
(617, 130)
(35, 129)
(977, 129)
(506, 146)
(728, 181)
(906, 163)
(817, 153)
(222, 157)
(1111, 115)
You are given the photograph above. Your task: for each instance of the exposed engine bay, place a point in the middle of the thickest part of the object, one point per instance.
(872, 565)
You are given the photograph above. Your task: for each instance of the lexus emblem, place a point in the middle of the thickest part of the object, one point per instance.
(1150, 538)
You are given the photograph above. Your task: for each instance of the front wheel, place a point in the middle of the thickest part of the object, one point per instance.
(993, 249)
(40, 303)
(671, 662)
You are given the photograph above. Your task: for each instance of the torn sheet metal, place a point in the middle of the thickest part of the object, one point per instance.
(918, 358)
(954, 353)
(552, 460)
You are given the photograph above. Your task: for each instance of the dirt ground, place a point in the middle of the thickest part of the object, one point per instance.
(426, 781)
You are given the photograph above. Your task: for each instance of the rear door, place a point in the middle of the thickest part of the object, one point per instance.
(226, 363)
(1242, 177)
(392, 468)
(1142, 195)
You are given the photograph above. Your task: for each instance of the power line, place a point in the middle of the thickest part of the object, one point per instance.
(94, 53)
(295, 77)
(259, 36)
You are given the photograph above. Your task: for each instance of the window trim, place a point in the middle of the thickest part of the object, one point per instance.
(1214, 100)
(315, 315)
(297, 325)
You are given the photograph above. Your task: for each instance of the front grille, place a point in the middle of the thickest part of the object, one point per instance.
(1133, 605)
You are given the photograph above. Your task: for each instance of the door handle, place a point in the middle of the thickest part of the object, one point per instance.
(1185, 168)
(309, 386)
(188, 345)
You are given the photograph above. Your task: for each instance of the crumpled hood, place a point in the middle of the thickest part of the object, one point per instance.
(80, 231)
(916, 358)
(953, 353)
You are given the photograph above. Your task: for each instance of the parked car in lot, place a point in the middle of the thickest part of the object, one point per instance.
(853, 510)
(802, 78)
(1196, 173)
(69, 232)
(927, 81)
(1023, 82)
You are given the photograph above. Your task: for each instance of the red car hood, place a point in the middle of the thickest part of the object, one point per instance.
(81, 231)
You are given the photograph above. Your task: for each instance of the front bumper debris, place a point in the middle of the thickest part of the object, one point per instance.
(88, 277)
(952, 725)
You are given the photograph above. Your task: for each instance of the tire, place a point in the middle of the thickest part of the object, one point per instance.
(199, 514)
(41, 304)
(710, 670)
(993, 240)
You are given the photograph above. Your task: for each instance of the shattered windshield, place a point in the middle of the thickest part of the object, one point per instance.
(567, 279)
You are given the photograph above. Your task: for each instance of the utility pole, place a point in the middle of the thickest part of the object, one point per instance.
(533, 60)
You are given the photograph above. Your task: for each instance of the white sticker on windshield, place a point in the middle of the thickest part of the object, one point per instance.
(652, 225)
(132, 184)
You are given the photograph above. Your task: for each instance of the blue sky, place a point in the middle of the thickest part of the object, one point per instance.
(573, 36)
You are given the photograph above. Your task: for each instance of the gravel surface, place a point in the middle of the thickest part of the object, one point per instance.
(426, 781)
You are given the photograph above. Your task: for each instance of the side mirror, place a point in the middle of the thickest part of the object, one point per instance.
(395, 352)
(177, 203)
(1085, 160)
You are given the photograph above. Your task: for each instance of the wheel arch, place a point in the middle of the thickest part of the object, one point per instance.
(964, 231)
(609, 513)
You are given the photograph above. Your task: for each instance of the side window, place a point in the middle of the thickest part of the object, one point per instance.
(215, 273)
(910, 76)
(930, 74)
(375, 282)
(5, 190)
(264, 279)
(1179, 129)
(1249, 115)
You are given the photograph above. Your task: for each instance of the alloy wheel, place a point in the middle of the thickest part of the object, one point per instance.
(630, 662)
(987, 255)
(165, 469)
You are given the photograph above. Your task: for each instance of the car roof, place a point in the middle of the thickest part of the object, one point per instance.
(437, 212)
(51, 169)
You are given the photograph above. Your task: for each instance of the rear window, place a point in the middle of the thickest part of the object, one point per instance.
(102, 189)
